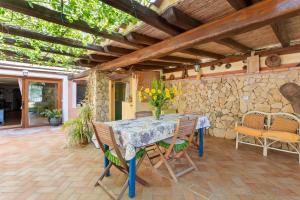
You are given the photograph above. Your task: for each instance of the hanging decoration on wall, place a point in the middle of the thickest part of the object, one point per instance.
(245, 67)
(273, 60)
(172, 77)
(228, 66)
(212, 67)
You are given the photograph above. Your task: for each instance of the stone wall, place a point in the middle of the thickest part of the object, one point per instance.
(225, 99)
(98, 95)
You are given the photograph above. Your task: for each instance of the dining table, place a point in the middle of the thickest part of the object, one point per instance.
(133, 134)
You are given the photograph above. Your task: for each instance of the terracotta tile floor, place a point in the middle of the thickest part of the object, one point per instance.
(38, 166)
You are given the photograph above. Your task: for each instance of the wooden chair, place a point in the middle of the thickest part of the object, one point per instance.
(177, 146)
(105, 137)
(143, 114)
(150, 149)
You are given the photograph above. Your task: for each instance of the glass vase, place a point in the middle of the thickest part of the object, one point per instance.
(157, 112)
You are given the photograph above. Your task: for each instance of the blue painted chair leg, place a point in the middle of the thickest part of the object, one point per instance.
(201, 142)
(131, 181)
(106, 161)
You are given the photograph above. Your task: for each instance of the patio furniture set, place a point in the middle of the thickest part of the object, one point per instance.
(125, 143)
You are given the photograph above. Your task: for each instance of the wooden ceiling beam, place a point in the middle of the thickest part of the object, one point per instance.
(18, 31)
(239, 4)
(152, 18)
(147, 40)
(230, 59)
(100, 58)
(59, 18)
(281, 33)
(26, 58)
(279, 28)
(27, 45)
(119, 51)
(87, 63)
(143, 13)
(253, 17)
(177, 17)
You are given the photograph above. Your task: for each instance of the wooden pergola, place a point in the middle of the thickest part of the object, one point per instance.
(186, 33)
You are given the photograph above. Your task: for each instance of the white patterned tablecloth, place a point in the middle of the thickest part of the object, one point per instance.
(135, 133)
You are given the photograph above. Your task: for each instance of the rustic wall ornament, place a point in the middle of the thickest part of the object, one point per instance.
(212, 67)
(245, 67)
(228, 66)
(273, 60)
(172, 77)
(291, 91)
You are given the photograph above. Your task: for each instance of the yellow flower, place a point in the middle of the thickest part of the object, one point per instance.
(153, 91)
(147, 90)
(159, 91)
(175, 89)
(154, 98)
(168, 94)
(145, 97)
(167, 90)
(150, 94)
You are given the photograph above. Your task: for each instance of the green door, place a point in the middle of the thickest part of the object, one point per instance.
(119, 97)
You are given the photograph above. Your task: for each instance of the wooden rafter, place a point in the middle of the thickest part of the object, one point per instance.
(281, 33)
(152, 18)
(253, 17)
(24, 58)
(103, 58)
(87, 63)
(279, 28)
(239, 4)
(27, 45)
(143, 13)
(147, 40)
(118, 51)
(13, 30)
(47, 14)
(177, 17)
(230, 59)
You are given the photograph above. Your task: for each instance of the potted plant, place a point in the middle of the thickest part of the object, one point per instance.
(157, 96)
(54, 116)
(79, 131)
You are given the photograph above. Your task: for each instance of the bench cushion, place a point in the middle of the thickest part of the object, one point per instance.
(283, 136)
(285, 125)
(254, 121)
(249, 131)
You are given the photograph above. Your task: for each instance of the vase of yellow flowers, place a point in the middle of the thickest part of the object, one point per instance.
(157, 96)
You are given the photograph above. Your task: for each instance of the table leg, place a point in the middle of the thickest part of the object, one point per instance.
(131, 181)
(201, 142)
(106, 161)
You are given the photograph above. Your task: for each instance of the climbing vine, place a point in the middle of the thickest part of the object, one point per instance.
(94, 12)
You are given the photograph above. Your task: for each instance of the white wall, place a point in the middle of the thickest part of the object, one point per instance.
(62, 77)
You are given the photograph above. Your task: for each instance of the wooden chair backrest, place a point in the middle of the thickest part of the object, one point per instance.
(186, 128)
(143, 114)
(105, 136)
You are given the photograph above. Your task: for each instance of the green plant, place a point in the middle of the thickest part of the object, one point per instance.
(157, 95)
(50, 114)
(79, 131)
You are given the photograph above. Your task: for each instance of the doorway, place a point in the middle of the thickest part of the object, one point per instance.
(10, 102)
(120, 90)
(40, 95)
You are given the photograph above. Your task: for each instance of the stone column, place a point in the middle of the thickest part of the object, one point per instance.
(98, 95)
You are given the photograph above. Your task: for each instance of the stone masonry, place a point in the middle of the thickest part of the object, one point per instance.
(225, 99)
(98, 95)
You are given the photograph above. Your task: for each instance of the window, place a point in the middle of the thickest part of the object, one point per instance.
(81, 88)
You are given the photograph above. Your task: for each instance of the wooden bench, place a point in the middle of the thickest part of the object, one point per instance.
(268, 129)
